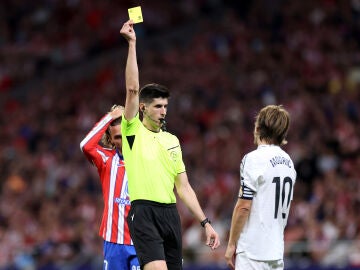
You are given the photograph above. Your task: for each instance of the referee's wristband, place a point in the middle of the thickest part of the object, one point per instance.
(206, 220)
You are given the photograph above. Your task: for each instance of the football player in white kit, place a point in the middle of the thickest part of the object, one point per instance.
(267, 174)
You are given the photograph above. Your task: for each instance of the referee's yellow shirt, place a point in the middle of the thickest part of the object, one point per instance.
(152, 161)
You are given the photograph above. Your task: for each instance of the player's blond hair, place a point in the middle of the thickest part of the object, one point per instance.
(106, 138)
(272, 125)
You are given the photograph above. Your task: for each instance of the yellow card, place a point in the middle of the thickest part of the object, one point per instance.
(135, 14)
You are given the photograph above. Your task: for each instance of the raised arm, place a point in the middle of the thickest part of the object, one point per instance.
(131, 72)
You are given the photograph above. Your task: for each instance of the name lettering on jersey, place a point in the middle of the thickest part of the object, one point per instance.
(103, 156)
(123, 201)
(279, 160)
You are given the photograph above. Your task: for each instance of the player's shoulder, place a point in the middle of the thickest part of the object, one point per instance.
(280, 152)
(256, 157)
(254, 154)
(250, 158)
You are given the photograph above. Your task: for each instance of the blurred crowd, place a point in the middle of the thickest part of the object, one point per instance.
(223, 61)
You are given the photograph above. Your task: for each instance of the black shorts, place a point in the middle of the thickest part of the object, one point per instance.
(155, 229)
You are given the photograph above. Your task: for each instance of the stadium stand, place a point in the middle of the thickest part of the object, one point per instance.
(62, 66)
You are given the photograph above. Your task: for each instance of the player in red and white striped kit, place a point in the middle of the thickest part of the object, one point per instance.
(119, 252)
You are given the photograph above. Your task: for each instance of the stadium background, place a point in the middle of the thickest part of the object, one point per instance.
(62, 66)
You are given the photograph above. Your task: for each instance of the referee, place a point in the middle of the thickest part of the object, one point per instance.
(154, 167)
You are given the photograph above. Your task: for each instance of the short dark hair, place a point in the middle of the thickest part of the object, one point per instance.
(153, 90)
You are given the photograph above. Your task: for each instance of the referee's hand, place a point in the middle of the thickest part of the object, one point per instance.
(212, 238)
(127, 31)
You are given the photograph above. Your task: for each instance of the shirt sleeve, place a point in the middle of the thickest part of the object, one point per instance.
(129, 128)
(90, 144)
(249, 173)
(177, 158)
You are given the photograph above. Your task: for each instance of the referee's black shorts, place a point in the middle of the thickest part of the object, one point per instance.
(155, 229)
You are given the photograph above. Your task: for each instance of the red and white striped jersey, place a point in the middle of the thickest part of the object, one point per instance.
(114, 183)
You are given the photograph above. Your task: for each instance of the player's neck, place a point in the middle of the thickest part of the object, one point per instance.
(262, 142)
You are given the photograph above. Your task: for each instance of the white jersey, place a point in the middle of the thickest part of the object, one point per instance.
(269, 173)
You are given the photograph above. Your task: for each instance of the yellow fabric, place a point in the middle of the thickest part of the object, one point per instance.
(152, 162)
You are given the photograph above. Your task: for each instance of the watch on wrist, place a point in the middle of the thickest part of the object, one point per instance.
(206, 220)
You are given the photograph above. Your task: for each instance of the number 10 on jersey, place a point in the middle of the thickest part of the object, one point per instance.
(283, 190)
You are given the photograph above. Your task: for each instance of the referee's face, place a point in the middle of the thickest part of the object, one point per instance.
(116, 137)
(157, 110)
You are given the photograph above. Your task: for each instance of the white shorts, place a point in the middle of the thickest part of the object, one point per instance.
(244, 263)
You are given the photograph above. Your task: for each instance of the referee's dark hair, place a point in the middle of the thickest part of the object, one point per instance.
(153, 90)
